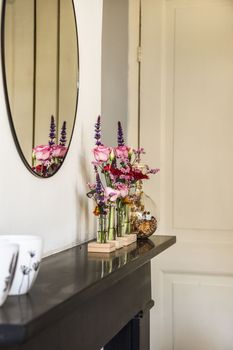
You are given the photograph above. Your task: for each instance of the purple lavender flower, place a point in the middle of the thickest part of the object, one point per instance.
(99, 194)
(120, 135)
(154, 171)
(98, 132)
(96, 169)
(63, 134)
(98, 185)
(52, 134)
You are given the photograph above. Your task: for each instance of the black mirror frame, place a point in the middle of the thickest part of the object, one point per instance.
(12, 127)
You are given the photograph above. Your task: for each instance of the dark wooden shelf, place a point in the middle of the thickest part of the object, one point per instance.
(76, 290)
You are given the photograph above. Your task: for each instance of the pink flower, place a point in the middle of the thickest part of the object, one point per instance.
(59, 151)
(125, 170)
(101, 153)
(139, 151)
(91, 186)
(111, 194)
(122, 152)
(123, 189)
(42, 152)
(125, 177)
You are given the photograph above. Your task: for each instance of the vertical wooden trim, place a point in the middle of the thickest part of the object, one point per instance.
(133, 36)
(58, 66)
(34, 73)
(139, 72)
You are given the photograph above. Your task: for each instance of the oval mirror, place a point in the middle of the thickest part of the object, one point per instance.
(41, 72)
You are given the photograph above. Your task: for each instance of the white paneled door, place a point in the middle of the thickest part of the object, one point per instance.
(187, 129)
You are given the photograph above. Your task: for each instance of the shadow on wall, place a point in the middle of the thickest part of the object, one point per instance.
(84, 223)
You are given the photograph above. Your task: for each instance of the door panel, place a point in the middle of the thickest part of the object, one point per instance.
(186, 126)
(202, 91)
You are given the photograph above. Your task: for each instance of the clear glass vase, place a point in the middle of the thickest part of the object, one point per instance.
(102, 229)
(120, 219)
(127, 219)
(112, 223)
(123, 219)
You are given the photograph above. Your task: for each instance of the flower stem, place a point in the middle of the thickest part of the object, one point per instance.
(111, 223)
(127, 223)
(101, 237)
(120, 219)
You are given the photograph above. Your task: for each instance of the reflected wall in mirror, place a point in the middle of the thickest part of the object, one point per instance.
(41, 72)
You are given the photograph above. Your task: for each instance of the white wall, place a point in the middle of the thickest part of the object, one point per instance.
(57, 208)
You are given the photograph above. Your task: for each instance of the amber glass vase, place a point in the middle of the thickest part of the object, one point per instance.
(144, 214)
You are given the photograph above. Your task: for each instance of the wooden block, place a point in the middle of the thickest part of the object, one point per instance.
(95, 247)
(133, 237)
(127, 239)
(118, 244)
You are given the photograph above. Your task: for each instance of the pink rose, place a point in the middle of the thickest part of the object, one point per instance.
(101, 153)
(59, 151)
(123, 190)
(42, 152)
(111, 194)
(122, 152)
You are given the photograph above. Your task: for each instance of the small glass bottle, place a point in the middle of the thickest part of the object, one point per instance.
(120, 218)
(112, 223)
(102, 229)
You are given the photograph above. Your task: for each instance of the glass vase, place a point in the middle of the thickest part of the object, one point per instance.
(127, 218)
(120, 219)
(102, 229)
(144, 216)
(112, 223)
(123, 219)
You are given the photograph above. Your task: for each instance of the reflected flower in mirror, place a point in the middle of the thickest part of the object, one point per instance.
(47, 159)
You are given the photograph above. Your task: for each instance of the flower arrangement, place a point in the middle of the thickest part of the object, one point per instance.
(117, 175)
(48, 158)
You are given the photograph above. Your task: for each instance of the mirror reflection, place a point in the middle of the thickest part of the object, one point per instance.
(41, 73)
